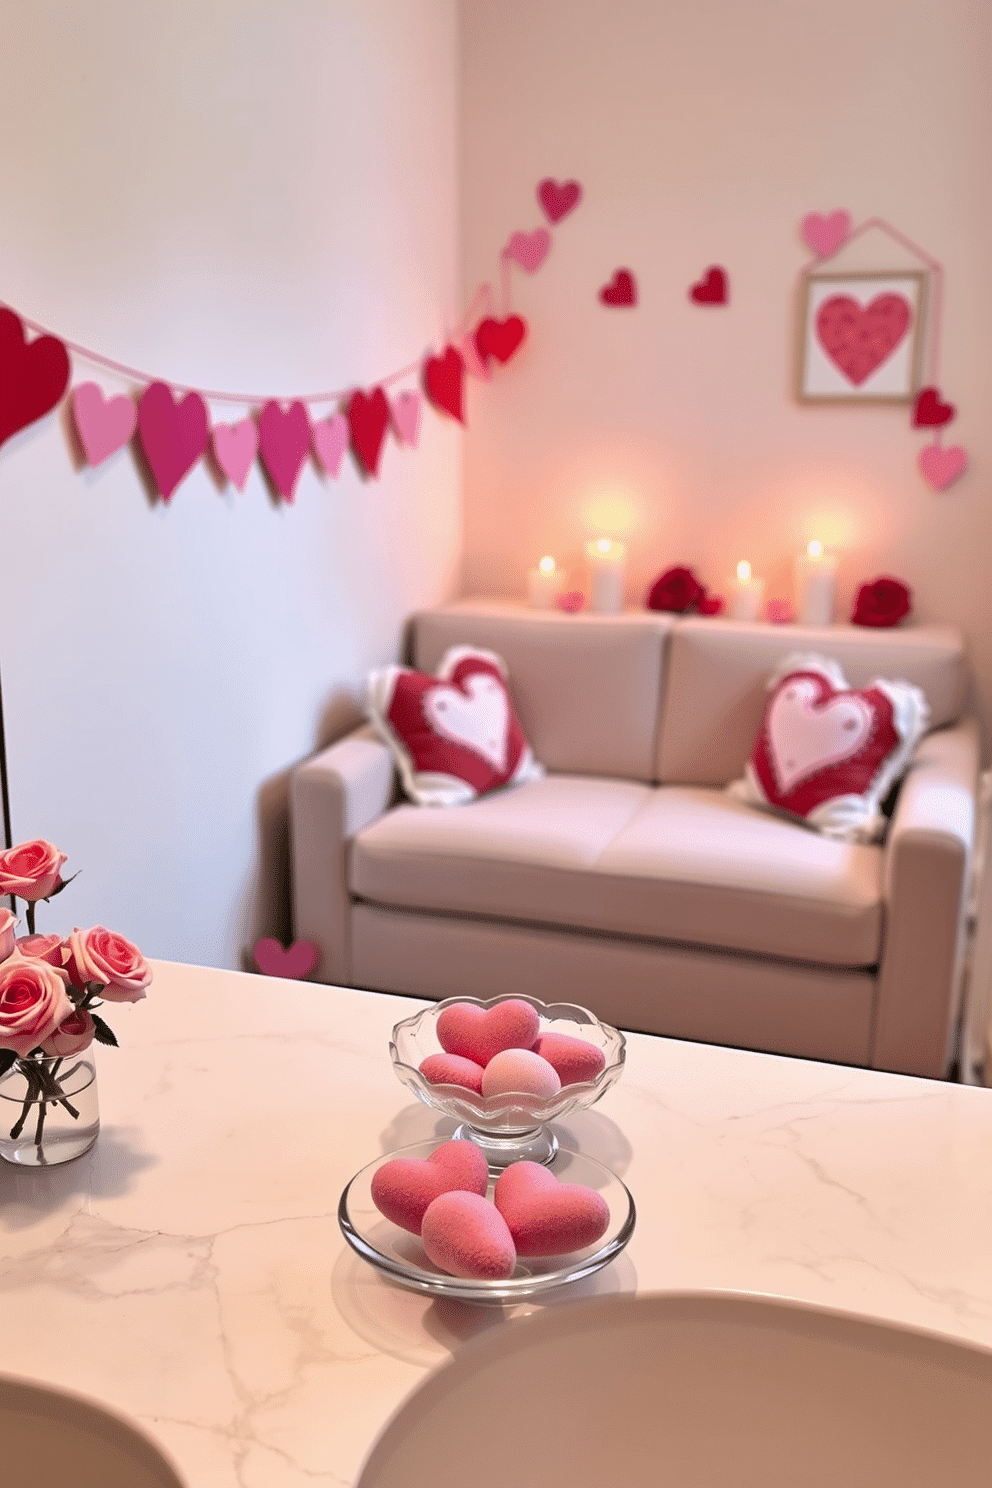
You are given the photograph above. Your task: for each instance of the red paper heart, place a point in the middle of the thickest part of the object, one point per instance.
(711, 289)
(368, 419)
(480, 1033)
(33, 376)
(545, 1217)
(929, 412)
(558, 198)
(403, 1188)
(444, 377)
(284, 439)
(499, 338)
(173, 435)
(293, 962)
(857, 338)
(621, 290)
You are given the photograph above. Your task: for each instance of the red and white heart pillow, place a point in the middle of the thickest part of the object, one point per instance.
(455, 735)
(828, 753)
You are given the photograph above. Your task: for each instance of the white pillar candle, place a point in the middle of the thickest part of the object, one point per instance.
(544, 584)
(606, 563)
(816, 575)
(746, 593)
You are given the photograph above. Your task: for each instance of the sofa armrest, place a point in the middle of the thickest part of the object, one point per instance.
(331, 797)
(927, 863)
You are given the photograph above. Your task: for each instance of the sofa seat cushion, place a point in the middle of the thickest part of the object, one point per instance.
(679, 863)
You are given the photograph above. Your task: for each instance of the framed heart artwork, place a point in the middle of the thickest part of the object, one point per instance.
(861, 337)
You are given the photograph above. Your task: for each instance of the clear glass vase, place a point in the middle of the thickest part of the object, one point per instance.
(49, 1112)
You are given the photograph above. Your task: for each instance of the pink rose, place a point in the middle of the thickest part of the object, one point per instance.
(7, 923)
(30, 870)
(98, 955)
(50, 948)
(33, 1002)
(73, 1034)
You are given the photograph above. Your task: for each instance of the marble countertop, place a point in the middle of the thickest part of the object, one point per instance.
(190, 1270)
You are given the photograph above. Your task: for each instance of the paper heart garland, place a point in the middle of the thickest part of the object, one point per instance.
(403, 1188)
(33, 375)
(621, 290)
(475, 365)
(235, 447)
(546, 1217)
(330, 440)
(104, 425)
(529, 250)
(284, 440)
(444, 379)
(558, 198)
(499, 338)
(368, 419)
(941, 467)
(859, 338)
(173, 435)
(292, 962)
(712, 289)
(824, 234)
(480, 1033)
(406, 417)
(929, 412)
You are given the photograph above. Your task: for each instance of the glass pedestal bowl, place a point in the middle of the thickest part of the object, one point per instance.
(512, 1127)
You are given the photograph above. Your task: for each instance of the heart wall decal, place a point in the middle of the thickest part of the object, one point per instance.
(293, 962)
(33, 375)
(368, 419)
(104, 425)
(859, 339)
(558, 198)
(444, 379)
(621, 290)
(173, 435)
(941, 467)
(284, 440)
(825, 234)
(712, 289)
(235, 447)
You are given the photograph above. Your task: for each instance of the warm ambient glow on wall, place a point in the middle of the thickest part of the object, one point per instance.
(611, 509)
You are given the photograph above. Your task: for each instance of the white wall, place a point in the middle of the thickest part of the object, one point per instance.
(251, 196)
(702, 133)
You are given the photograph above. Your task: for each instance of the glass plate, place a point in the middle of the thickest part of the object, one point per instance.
(400, 1255)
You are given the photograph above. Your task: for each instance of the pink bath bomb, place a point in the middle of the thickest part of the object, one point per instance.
(452, 1069)
(404, 1187)
(478, 1033)
(520, 1072)
(573, 1059)
(467, 1236)
(546, 1217)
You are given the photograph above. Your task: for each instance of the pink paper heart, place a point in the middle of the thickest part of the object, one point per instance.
(173, 435)
(406, 410)
(824, 234)
(942, 466)
(284, 439)
(558, 198)
(478, 1033)
(103, 424)
(546, 1217)
(330, 440)
(235, 448)
(465, 1235)
(529, 250)
(293, 962)
(403, 1188)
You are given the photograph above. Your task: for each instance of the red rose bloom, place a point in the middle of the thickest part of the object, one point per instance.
(885, 601)
(677, 590)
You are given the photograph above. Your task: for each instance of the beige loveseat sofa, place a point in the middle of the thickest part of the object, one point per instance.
(627, 879)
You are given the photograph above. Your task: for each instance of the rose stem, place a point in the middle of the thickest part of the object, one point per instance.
(30, 915)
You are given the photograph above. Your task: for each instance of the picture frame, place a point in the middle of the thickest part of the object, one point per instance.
(861, 336)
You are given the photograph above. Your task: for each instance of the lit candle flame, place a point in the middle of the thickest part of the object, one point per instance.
(815, 549)
(743, 571)
(547, 565)
(604, 545)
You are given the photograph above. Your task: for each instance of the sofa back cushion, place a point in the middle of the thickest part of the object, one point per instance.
(718, 672)
(586, 688)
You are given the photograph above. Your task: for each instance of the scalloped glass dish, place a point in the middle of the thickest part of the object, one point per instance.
(400, 1255)
(509, 1127)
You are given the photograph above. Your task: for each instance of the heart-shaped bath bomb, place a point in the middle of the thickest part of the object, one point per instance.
(520, 1072)
(572, 1059)
(452, 1069)
(465, 1235)
(403, 1188)
(478, 1033)
(546, 1217)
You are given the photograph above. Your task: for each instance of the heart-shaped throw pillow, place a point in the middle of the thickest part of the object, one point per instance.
(455, 735)
(828, 753)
